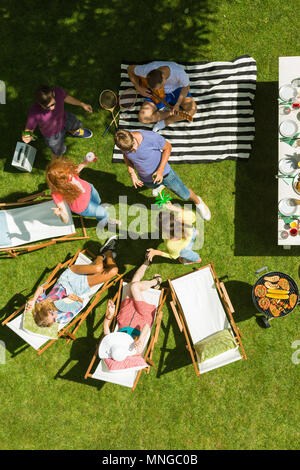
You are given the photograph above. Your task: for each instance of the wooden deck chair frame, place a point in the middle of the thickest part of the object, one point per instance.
(38, 198)
(181, 321)
(67, 331)
(152, 340)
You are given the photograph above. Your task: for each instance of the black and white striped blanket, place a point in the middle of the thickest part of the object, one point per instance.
(223, 127)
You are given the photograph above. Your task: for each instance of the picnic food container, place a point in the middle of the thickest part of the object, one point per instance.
(24, 156)
(274, 294)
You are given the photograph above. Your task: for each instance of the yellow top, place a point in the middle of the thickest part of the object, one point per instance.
(174, 247)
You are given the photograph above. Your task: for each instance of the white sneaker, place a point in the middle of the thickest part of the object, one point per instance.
(203, 210)
(156, 191)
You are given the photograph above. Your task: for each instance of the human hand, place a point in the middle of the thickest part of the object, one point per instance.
(175, 109)
(150, 253)
(136, 181)
(75, 297)
(144, 92)
(30, 305)
(87, 107)
(138, 346)
(111, 309)
(27, 138)
(57, 211)
(158, 176)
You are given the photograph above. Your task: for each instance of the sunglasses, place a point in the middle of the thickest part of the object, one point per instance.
(50, 105)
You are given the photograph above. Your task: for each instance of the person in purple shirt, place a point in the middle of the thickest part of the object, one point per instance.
(49, 114)
(148, 153)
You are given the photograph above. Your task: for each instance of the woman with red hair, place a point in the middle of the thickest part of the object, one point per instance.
(62, 176)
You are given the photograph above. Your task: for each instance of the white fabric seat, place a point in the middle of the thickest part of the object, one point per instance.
(27, 224)
(204, 313)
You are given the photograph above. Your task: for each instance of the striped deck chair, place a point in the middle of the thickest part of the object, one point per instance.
(130, 377)
(41, 343)
(204, 314)
(31, 219)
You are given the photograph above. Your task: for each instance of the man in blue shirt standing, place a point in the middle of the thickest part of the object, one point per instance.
(148, 153)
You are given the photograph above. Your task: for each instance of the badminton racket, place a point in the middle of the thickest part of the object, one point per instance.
(127, 100)
(108, 101)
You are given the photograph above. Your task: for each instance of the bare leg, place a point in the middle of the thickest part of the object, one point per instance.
(95, 267)
(96, 272)
(188, 105)
(137, 285)
(194, 197)
(149, 113)
(54, 157)
(110, 270)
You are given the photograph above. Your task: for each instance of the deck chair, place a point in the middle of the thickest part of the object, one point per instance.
(202, 309)
(41, 343)
(130, 377)
(32, 219)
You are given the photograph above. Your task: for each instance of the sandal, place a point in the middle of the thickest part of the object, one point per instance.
(158, 282)
(146, 260)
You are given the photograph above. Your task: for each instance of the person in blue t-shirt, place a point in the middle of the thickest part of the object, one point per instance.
(147, 153)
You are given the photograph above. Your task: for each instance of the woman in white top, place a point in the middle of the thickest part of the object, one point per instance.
(167, 77)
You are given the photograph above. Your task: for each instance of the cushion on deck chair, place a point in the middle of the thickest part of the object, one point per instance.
(29, 326)
(128, 363)
(214, 345)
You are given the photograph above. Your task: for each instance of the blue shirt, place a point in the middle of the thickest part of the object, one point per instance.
(147, 158)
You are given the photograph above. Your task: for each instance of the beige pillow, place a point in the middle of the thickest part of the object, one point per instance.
(214, 345)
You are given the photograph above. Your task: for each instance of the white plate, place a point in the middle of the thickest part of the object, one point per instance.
(288, 128)
(287, 92)
(296, 82)
(287, 165)
(287, 206)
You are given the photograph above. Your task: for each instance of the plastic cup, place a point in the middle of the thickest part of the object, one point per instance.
(91, 157)
(284, 234)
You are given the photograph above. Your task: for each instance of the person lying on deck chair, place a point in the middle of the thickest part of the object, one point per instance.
(64, 300)
(135, 316)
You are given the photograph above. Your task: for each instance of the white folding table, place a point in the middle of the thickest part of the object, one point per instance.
(289, 70)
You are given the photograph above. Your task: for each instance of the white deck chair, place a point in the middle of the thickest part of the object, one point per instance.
(27, 224)
(41, 343)
(129, 377)
(202, 307)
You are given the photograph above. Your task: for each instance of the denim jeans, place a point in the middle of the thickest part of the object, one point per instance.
(187, 253)
(56, 143)
(170, 98)
(94, 208)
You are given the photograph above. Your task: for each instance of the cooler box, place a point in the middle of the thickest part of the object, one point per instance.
(23, 157)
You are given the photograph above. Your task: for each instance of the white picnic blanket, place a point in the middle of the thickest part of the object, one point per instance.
(223, 127)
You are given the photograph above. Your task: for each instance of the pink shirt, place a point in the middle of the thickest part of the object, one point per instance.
(81, 203)
(50, 122)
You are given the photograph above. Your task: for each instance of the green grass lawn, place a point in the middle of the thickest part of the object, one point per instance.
(45, 401)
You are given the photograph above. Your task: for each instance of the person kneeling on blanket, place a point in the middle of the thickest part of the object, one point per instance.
(135, 318)
(64, 300)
